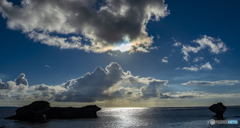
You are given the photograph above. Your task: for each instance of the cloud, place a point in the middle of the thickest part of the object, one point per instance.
(186, 94)
(21, 80)
(150, 90)
(100, 85)
(216, 46)
(111, 83)
(211, 83)
(196, 59)
(165, 59)
(47, 66)
(14, 89)
(176, 43)
(103, 27)
(217, 60)
(197, 67)
(206, 66)
(91, 86)
(153, 48)
(192, 68)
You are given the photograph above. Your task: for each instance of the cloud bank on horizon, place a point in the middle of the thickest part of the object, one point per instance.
(100, 85)
(103, 85)
(106, 25)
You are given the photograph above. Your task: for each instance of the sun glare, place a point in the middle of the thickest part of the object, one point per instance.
(123, 47)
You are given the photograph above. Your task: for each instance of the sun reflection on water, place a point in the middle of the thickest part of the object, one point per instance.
(127, 117)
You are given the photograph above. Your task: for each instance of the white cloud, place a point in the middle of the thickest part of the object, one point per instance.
(165, 59)
(192, 68)
(197, 67)
(216, 46)
(206, 66)
(196, 59)
(199, 94)
(14, 89)
(176, 43)
(103, 85)
(217, 60)
(186, 94)
(100, 85)
(41, 20)
(211, 83)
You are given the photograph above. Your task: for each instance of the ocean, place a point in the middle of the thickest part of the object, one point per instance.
(159, 117)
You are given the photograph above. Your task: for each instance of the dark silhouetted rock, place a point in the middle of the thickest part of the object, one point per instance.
(32, 112)
(218, 108)
(41, 110)
(73, 113)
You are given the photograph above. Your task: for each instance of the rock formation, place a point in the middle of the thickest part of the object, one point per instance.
(72, 113)
(41, 110)
(218, 108)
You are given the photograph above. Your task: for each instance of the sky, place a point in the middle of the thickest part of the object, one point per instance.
(120, 53)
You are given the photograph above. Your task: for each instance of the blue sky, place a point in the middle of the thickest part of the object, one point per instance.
(172, 53)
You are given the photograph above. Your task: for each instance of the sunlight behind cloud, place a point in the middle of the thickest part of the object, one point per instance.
(123, 47)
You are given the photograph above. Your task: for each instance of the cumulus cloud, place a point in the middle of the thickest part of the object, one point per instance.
(216, 46)
(165, 59)
(206, 66)
(197, 67)
(19, 85)
(151, 90)
(14, 89)
(98, 27)
(21, 80)
(100, 85)
(91, 86)
(211, 83)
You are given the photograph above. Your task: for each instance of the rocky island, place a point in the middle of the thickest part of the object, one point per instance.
(41, 110)
(218, 108)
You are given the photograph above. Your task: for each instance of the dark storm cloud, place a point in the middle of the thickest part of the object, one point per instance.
(104, 25)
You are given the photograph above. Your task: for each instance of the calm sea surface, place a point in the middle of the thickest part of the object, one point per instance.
(189, 117)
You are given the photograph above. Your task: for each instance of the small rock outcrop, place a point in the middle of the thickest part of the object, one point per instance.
(41, 110)
(218, 108)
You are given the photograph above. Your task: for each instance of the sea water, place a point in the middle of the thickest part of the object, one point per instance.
(167, 117)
